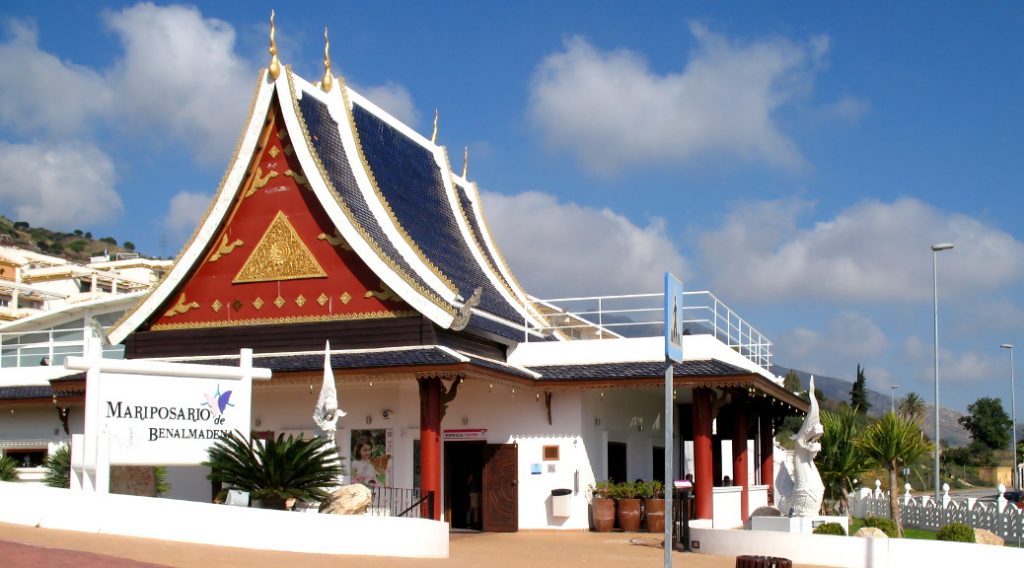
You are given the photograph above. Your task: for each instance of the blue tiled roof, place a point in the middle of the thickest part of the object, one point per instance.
(467, 206)
(25, 392)
(641, 370)
(323, 132)
(411, 182)
(487, 363)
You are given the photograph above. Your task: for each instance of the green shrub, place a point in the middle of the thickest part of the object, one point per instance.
(602, 489)
(830, 528)
(885, 525)
(956, 532)
(58, 468)
(625, 490)
(276, 468)
(7, 469)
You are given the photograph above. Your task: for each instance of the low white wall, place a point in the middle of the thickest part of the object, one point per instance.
(221, 525)
(853, 552)
(725, 507)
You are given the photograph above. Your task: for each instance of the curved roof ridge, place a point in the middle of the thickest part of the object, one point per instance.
(406, 279)
(381, 200)
(229, 186)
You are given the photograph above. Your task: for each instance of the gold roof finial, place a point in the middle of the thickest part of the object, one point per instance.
(465, 162)
(433, 137)
(328, 81)
(275, 65)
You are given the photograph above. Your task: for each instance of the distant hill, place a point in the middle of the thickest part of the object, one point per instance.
(76, 246)
(839, 389)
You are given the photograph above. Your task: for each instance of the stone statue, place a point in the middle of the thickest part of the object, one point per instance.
(326, 413)
(799, 487)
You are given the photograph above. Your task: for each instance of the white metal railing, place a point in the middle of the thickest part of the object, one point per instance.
(49, 347)
(642, 315)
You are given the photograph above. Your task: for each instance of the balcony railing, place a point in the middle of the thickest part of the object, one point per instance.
(49, 347)
(642, 315)
(398, 502)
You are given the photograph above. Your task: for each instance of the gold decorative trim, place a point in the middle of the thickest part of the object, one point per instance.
(279, 301)
(287, 320)
(429, 295)
(225, 248)
(181, 307)
(299, 178)
(280, 254)
(322, 299)
(328, 80)
(300, 301)
(274, 151)
(433, 135)
(345, 298)
(384, 202)
(275, 65)
(288, 150)
(335, 240)
(259, 181)
(221, 188)
(216, 305)
(257, 303)
(385, 294)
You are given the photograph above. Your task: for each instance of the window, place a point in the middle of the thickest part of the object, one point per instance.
(28, 457)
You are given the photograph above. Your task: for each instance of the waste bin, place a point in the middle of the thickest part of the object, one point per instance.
(561, 502)
(762, 562)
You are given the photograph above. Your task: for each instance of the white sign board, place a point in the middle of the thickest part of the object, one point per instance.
(153, 420)
(465, 435)
(673, 318)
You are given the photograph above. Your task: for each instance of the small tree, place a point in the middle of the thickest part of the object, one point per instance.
(840, 460)
(988, 423)
(912, 406)
(792, 382)
(892, 442)
(859, 394)
(58, 468)
(129, 245)
(8, 468)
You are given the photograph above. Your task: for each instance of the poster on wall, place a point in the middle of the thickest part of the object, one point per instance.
(370, 459)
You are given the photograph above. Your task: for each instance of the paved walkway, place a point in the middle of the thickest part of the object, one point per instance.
(32, 547)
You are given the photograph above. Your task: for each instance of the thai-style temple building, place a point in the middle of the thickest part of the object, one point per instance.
(337, 222)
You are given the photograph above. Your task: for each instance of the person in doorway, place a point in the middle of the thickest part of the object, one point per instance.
(727, 481)
(473, 515)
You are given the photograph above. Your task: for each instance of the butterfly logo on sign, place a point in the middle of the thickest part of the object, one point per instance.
(218, 401)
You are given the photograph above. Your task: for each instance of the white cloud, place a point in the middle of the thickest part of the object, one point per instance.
(180, 74)
(612, 111)
(848, 339)
(41, 93)
(967, 367)
(395, 99)
(185, 210)
(557, 248)
(58, 185)
(873, 251)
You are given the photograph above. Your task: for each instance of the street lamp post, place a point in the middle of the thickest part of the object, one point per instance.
(936, 248)
(1013, 419)
(892, 397)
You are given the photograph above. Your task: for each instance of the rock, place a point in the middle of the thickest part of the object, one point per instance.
(984, 536)
(348, 500)
(871, 532)
(766, 511)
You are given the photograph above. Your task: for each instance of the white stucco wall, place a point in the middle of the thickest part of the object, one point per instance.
(31, 427)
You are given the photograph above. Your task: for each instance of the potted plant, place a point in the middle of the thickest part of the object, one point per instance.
(628, 502)
(277, 469)
(603, 505)
(654, 507)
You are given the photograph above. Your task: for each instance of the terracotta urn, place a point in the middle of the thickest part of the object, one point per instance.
(604, 514)
(629, 515)
(655, 514)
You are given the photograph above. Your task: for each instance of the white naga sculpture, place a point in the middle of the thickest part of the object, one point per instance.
(326, 413)
(800, 490)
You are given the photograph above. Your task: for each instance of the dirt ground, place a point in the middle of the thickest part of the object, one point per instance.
(33, 547)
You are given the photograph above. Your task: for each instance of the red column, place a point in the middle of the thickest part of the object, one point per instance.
(739, 454)
(767, 457)
(702, 452)
(430, 443)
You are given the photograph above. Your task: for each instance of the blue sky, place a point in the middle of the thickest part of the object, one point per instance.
(795, 158)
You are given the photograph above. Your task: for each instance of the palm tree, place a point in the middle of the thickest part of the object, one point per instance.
(8, 468)
(892, 442)
(276, 469)
(840, 460)
(912, 406)
(58, 468)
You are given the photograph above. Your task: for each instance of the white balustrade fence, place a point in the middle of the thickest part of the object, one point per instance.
(924, 512)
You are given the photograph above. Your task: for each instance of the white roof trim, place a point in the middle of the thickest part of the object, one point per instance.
(218, 210)
(396, 282)
(71, 311)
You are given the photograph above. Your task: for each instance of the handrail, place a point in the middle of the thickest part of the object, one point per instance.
(54, 348)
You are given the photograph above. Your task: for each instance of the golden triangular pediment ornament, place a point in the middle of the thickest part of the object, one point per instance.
(280, 255)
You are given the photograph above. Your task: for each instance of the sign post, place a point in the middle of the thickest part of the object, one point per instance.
(140, 412)
(673, 354)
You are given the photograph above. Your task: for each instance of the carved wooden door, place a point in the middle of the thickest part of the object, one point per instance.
(501, 488)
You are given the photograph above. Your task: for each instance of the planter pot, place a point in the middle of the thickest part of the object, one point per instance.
(604, 514)
(655, 513)
(629, 515)
(275, 503)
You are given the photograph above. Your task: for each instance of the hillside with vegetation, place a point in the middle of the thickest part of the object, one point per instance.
(76, 246)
